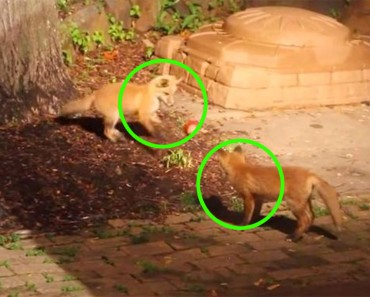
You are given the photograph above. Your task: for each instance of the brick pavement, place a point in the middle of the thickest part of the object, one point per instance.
(188, 258)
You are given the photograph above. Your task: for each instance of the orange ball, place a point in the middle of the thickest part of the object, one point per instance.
(190, 126)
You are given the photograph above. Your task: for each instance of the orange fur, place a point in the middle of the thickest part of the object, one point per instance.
(140, 100)
(258, 184)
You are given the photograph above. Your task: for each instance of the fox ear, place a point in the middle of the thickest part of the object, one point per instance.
(220, 153)
(238, 149)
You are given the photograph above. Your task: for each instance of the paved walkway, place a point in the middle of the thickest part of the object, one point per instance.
(190, 256)
(334, 141)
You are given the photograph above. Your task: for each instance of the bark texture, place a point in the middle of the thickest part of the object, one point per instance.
(32, 74)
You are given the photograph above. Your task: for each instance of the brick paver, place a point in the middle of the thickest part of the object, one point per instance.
(194, 259)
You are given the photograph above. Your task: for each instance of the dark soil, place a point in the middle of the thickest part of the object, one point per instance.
(64, 175)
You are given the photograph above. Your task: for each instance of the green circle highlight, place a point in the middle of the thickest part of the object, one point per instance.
(199, 177)
(168, 145)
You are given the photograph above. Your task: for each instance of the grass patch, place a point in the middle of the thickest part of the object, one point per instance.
(30, 286)
(189, 201)
(143, 237)
(5, 263)
(35, 252)
(104, 234)
(320, 211)
(149, 267)
(121, 288)
(11, 242)
(236, 204)
(48, 278)
(70, 288)
(364, 206)
(178, 158)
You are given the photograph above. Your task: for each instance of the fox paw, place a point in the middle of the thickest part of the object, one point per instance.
(294, 238)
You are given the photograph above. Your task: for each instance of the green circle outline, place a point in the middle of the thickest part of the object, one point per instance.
(173, 144)
(199, 177)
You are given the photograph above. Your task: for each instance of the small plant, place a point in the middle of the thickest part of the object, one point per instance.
(320, 211)
(198, 218)
(189, 201)
(335, 13)
(67, 254)
(98, 38)
(178, 158)
(135, 11)
(5, 264)
(69, 251)
(234, 6)
(195, 19)
(349, 201)
(13, 294)
(140, 238)
(364, 206)
(236, 204)
(11, 242)
(48, 278)
(80, 39)
(148, 267)
(215, 3)
(204, 250)
(30, 286)
(35, 252)
(69, 277)
(63, 5)
(130, 35)
(149, 52)
(116, 30)
(14, 246)
(70, 288)
(121, 288)
(48, 260)
(67, 57)
(104, 234)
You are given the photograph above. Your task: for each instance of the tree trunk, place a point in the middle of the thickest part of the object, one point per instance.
(32, 73)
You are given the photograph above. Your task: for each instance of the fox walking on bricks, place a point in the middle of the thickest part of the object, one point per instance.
(258, 184)
(141, 100)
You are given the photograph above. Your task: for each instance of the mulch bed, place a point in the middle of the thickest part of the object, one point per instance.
(61, 176)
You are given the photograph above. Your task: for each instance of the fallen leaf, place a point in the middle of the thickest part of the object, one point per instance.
(273, 287)
(259, 282)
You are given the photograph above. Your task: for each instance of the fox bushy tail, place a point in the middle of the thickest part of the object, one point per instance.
(77, 106)
(330, 197)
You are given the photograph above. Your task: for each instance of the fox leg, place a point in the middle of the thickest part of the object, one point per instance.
(145, 120)
(305, 219)
(257, 210)
(109, 129)
(249, 206)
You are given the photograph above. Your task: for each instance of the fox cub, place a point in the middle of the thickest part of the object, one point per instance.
(258, 184)
(141, 100)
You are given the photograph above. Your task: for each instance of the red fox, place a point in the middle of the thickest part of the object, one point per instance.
(141, 100)
(258, 184)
